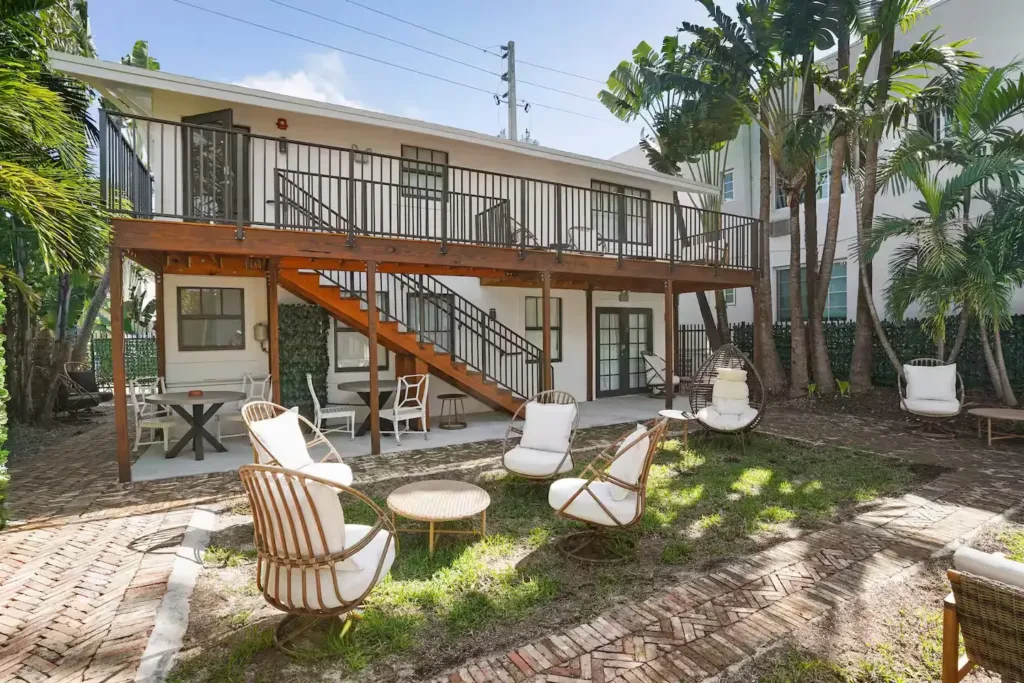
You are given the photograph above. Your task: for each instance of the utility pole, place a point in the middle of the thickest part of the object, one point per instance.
(510, 77)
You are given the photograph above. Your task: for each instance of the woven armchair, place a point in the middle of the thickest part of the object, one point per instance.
(611, 493)
(533, 463)
(932, 413)
(310, 563)
(990, 616)
(292, 453)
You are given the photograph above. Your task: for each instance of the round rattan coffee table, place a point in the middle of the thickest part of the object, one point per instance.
(439, 500)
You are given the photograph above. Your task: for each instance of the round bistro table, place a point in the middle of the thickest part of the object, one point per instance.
(440, 500)
(200, 414)
(989, 414)
(680, 416)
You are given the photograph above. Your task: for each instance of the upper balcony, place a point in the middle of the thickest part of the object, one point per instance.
(211, 173)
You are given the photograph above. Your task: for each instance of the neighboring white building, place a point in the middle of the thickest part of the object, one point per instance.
(993, 26)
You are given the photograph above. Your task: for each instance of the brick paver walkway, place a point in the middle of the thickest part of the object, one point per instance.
(85, 564)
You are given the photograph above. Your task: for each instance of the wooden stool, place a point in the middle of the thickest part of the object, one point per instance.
(454, 404)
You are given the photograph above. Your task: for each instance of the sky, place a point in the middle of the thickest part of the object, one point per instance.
(584, 37)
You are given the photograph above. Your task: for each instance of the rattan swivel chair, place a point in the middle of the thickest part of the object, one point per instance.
(310, 563)
(610, 494)
(542, 448)
(277, 439)
(727, 395)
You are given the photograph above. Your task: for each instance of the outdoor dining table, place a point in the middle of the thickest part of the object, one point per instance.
(385, 390)
(180, 402)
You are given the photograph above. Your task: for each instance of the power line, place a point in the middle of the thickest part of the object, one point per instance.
(470, 45)
(382, 37)
(422, 28)
(294, 36)
(331, 47)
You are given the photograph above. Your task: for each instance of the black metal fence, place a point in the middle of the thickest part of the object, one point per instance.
(139, 357)
(224, 174)
(908, 338)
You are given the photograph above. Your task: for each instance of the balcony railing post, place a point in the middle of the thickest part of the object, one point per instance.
(444, 210)
(522, 219)
(672, 238)
(278, 204)
(559, 242)
(104, 153)
(350, 197)
(237, 186)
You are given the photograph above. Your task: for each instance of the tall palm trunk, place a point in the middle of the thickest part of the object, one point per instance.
(797, 339)
(722, 314)
(710, 324)
(61, 350)
(990, 362)
(79, 353)
(961, 334)
(810, 215)
(1008, 397)
(772, 373)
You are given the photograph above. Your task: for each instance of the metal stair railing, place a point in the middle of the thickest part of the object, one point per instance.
(451, 323)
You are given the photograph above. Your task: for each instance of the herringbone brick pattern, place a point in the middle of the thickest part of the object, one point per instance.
(702, 626)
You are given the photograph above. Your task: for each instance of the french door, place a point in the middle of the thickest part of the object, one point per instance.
(212, 177)
(623, 334)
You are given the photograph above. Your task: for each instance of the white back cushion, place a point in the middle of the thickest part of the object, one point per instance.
(731, 389)
(730, 406)
(732, 374)
(548, 426)
(931, 384)
(991, 567)
(282, 439)
(629, 463)
(294, 503)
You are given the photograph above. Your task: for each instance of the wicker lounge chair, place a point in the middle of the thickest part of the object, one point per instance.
(611, 493)
(542, 447)
(310, 563)
(726, 395)
(933, 392)
(987, 608)
(277, 439)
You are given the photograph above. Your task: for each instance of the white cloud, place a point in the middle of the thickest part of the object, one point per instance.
(321, 78)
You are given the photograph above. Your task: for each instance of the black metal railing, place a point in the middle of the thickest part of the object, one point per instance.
(212, 174)
(440, 316)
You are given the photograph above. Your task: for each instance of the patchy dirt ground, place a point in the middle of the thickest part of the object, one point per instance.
(890, 636)
(26, 441)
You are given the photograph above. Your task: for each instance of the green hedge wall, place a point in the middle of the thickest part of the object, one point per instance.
(910, 341)
(4, 475)
(139, 358)
(303, 339)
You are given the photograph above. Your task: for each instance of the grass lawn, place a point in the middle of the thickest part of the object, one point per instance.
(478, 596)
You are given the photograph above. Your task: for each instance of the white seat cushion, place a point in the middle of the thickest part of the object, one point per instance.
(536, 463)
(282, 439)
(352, 583)
(730, 406)
(727, 388)
(548, 426)
(629, 462)
(931, 383)
(726, 423)
(989, 566)
(338, 472)
(923, 406)
(585, 507)
(732, 374)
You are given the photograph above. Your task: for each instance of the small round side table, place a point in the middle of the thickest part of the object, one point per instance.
(455, 417)
(685, 418)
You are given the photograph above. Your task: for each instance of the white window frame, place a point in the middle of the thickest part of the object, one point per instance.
(730, 296)
(728, 185)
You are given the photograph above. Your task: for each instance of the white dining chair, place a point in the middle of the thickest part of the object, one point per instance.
(255, 389)
(331, 411)
(148, 415)
(410, 404)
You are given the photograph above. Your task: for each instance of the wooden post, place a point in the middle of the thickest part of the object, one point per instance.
(124, 462)
(371, 339)
(274, 326)
(590, 343)
(158, 327)
(670, 345)
(546, 314)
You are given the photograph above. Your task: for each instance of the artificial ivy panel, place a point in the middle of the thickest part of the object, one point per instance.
(303, 338)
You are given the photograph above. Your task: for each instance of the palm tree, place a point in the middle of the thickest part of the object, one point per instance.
(686, 131)
(742, 54)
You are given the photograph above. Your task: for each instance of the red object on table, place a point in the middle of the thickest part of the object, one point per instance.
(195, 393)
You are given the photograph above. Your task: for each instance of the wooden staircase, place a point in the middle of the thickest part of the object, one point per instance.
(397, 338)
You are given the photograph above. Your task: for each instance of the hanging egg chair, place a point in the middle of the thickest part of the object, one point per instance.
(726, 395)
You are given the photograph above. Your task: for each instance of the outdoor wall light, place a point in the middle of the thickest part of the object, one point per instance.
(261, 333)
(624, 296)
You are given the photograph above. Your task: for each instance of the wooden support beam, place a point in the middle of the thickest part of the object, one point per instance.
(159, 328)
(371, 338)
(670, 345)
(547, 379)
(273, 332)
(124, 462)
(590, 344)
